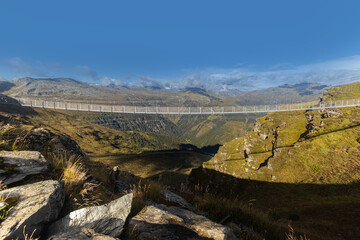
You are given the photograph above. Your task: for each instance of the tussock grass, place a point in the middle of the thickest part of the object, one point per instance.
(291, 235)
(72, 171)
(73, 174)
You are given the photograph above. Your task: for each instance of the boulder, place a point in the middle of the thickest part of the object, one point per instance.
(124, 187)
(158, 221)
(174, 198)
(108, 219)
(15, 166)
(36, 205)
(83, 234)
(43, 140)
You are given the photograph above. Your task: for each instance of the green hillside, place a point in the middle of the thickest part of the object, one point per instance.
(312, 147)
(199, 130)
(298, 168)
(92, 138)
(302, 146)
(343, 92)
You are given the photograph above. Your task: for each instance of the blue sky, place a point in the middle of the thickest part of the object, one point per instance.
(217, 44)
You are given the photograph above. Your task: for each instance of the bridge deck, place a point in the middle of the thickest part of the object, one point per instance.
(187, 110)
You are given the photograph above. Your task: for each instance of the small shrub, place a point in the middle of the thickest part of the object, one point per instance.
(7, 203)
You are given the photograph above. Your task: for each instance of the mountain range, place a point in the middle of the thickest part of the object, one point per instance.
(70, 89)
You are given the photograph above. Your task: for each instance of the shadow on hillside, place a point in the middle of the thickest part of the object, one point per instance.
(321, 211)
(15, 109)
(5, 86)
(166, 166)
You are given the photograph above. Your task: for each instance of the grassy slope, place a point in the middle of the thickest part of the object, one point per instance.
(343, 92)
(197, 130)
(308, 166)
(92, 138)
(328, 155)
(298, 146)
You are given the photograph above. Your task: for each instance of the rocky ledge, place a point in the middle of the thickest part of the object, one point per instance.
(35, 205)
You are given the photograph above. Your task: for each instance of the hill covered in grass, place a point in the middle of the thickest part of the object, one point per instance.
(312, 146)
(92, 138)
(298, 168)
(199, 130)
(301, 146)
(343, 92)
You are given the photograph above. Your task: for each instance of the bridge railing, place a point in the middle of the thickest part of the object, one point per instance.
(186, 110)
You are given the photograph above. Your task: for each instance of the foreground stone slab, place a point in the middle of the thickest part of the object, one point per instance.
(158, 221)
(108, 219)
(172, 197)
(16, 165)
(37, 204)
(84, 234)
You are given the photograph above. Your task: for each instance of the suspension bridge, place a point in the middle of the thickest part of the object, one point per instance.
(206, 110)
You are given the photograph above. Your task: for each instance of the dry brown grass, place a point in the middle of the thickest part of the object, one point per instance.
(89, 195)
(27, 236)
(73, 174)
(291, 235)
(72, 171)
(71, 167)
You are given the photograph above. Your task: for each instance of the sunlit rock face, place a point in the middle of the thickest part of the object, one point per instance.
(16, 165)
(158, 221)
(35, 205)
(108, 219)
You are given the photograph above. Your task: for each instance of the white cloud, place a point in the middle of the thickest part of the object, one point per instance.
(87, 71)
(18, 65)
(334, 72)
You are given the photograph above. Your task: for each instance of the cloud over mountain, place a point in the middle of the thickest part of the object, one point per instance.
(227, 81)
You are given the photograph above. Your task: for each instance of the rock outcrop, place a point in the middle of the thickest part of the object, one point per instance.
(108, 219)
(174, 198)
(15, 166)
(37, 204)
(124, 187)
(158, 221)
(43, 140)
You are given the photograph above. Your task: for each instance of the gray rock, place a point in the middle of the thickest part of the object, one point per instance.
(43, 140)
(108, 219)
(37, 205)
(83, 234)
(161, 222)
(124, 187)
(172, 197)
(15, 166)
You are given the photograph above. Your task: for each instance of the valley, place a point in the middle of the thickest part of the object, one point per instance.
(265, 172)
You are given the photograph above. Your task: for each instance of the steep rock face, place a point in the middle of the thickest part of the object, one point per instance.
(15, 166)
(161, 222)
(312, 146)
(108, 219)
(36, 205)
